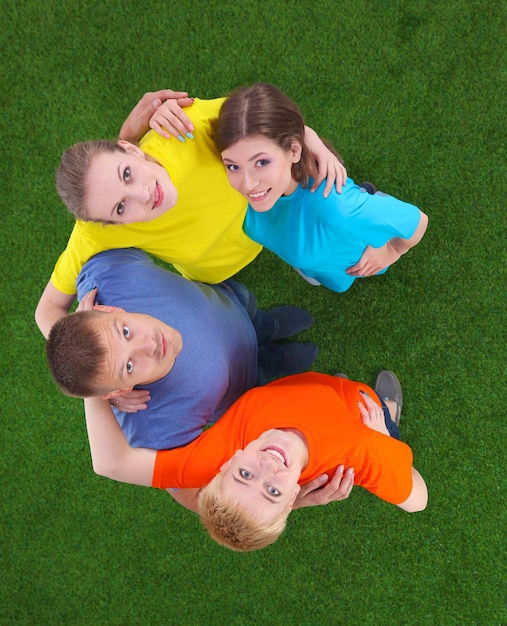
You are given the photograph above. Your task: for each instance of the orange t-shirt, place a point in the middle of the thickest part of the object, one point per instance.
(324, 408)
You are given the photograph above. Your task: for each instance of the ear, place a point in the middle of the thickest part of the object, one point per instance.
(295, 495)
(116, 393)
(130, 148)
(296, 148)
(226, 465)
(107, 309)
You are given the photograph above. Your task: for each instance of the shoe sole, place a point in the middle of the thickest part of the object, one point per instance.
(388, 387)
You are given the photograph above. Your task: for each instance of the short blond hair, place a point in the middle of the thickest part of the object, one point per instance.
(233, 526)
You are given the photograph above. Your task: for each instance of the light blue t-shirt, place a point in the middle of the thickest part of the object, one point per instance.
(217, 364)
(323, 237)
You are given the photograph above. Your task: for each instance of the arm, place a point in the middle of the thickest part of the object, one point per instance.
(139, 119)
(328, 164)
(418, 498)
(53, 305)
(373, 260)
(111, 453)
(374, 419)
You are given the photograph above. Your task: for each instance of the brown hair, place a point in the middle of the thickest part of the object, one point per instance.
(231, 525)
(72, 172)
(76, 354)
(263, 109)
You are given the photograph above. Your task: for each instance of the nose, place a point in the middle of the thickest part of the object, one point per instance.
(140, 193)
(146, 346)
(249, 181)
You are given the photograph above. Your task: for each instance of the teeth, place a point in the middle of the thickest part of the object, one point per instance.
(276, 454)
(258, 194)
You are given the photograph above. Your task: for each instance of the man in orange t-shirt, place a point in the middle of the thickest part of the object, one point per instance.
(324, 419)
(272, 440)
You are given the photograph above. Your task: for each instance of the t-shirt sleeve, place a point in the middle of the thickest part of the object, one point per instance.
(380, 218)
(79, 250)
(386, 469)
(193, 465)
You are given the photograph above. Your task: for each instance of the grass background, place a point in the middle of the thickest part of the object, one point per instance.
(413, 95)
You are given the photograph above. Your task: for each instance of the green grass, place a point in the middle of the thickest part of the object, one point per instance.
(413, 95)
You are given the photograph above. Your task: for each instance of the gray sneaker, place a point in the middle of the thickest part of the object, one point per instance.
(388, 387)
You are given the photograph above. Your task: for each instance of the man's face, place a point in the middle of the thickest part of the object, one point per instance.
(125, 187)
(264, 476)
(140, 348)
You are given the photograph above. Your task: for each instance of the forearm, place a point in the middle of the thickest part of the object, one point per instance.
(111, 453)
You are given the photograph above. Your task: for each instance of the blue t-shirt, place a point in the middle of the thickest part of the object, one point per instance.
(323, 237)
(218, 361)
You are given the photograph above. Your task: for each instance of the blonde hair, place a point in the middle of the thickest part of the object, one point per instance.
(233, 526)
(72, 172)
(263, 109)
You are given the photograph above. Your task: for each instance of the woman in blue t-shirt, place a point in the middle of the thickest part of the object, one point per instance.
(330, 238)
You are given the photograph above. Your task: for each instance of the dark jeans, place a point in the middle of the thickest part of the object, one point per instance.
(270, 358)
(394, 431)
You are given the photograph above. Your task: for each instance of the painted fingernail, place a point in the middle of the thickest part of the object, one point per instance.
(181, 138)
(189, 135)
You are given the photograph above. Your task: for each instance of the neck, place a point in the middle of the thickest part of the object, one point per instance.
(291, 188)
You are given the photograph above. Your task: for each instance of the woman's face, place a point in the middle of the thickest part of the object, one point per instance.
(260, 170)
(125, 187)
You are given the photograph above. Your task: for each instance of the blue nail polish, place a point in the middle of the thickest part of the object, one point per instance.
(189, 135)
(181, 138)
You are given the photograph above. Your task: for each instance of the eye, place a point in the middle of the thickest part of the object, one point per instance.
(245, 474)
(130, 367)
(126, 174)
(120, 208)
(273, 491)
(262, 162)
(126, 332)
(232, 167)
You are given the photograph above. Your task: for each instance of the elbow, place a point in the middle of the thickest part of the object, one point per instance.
(39, 320)
(423, 225)
(418, 505)
(105, 469)
(418, 498)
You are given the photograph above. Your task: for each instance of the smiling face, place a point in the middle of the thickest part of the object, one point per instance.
(261, 170)
(264, 476)
(140, 349)
(124, 187)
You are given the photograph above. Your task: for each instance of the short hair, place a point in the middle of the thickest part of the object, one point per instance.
(72, 172)
(76, 354)
(233, 526)
(263, 109)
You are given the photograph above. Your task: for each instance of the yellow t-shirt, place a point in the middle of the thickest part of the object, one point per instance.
(202, 235)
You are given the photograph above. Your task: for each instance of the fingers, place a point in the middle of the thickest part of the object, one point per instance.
(170, 119)
(87, 301)
(136, 400)
(333, 171)
(338, 488)
(316, 483)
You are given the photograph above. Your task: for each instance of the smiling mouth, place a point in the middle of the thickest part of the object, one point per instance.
(158, 196)
(258, 195)
(277, 453)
